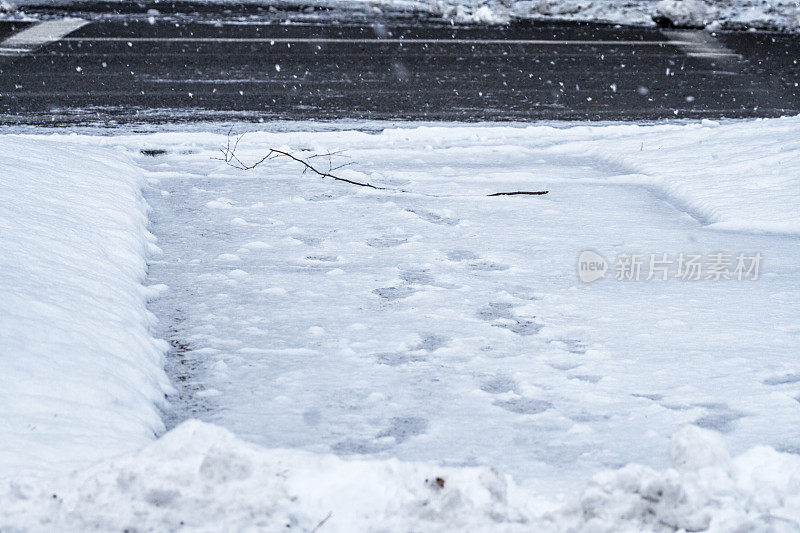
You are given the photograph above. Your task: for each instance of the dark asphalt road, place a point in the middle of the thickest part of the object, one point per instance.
(131, 69)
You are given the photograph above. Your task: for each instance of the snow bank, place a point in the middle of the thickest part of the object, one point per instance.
(761, 14)
(686, 13)
(461, 14)
(741, 175)
(201, 477)
(80, 375)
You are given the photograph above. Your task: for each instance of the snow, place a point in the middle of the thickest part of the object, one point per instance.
(687, 13)
(340, 345)
(452, 327)
(705, 490)
(727, 177)
(717, 14)
(483, 14)
(200, 477)
(80, 374)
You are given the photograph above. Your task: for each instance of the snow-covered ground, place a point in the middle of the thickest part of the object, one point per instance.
(439, 341)
(759, 14)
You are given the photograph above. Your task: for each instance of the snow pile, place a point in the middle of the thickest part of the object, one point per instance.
(201, 477)
(79, 372)
(483, 14)
(705, 490)
(686, 13)
(760, 14)
(638, 13)
(737, 14)
(7, 8)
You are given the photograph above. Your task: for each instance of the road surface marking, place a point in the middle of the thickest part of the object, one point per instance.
(698, 43)
(39, 35)
(325, 40)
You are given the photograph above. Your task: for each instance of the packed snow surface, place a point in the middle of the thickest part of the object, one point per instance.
(762, 14)
(421, 356)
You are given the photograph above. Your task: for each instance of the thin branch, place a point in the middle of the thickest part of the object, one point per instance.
(328, 154)
(519, 193)
(322, 523)
(343, 165)
(321, 173)
(229, 157)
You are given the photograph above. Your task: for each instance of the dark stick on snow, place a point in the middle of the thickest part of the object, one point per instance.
(230, 157)
(322, 523)
(321, 173)
(519, 193)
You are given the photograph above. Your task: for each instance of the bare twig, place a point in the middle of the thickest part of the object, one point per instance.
(229, 156)
(319, 172)
(329, 154)
(322, 523)
(519, 193)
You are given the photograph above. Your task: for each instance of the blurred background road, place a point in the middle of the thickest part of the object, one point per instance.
(173, 67)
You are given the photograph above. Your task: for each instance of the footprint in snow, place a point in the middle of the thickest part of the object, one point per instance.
(488, 266)
(325, 197)
(417, 277)
(524, 406)
(399, 358)
(584, 417)
(433, 218)
(652, 397)
(785, 379)
(462, 255)
(312, 417)
(722, 422)
(399, 430)
(720, 418)
(495, 310)
(359, 446)
(403, 428)
(571, 345)
(432, 342)
(564, 365)
(499, 385)
(308, 240)
(522, 327)
(502, 314)
(586, 378)
(386, 241)
(394, 293)
(429, 343)
(322, 258)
